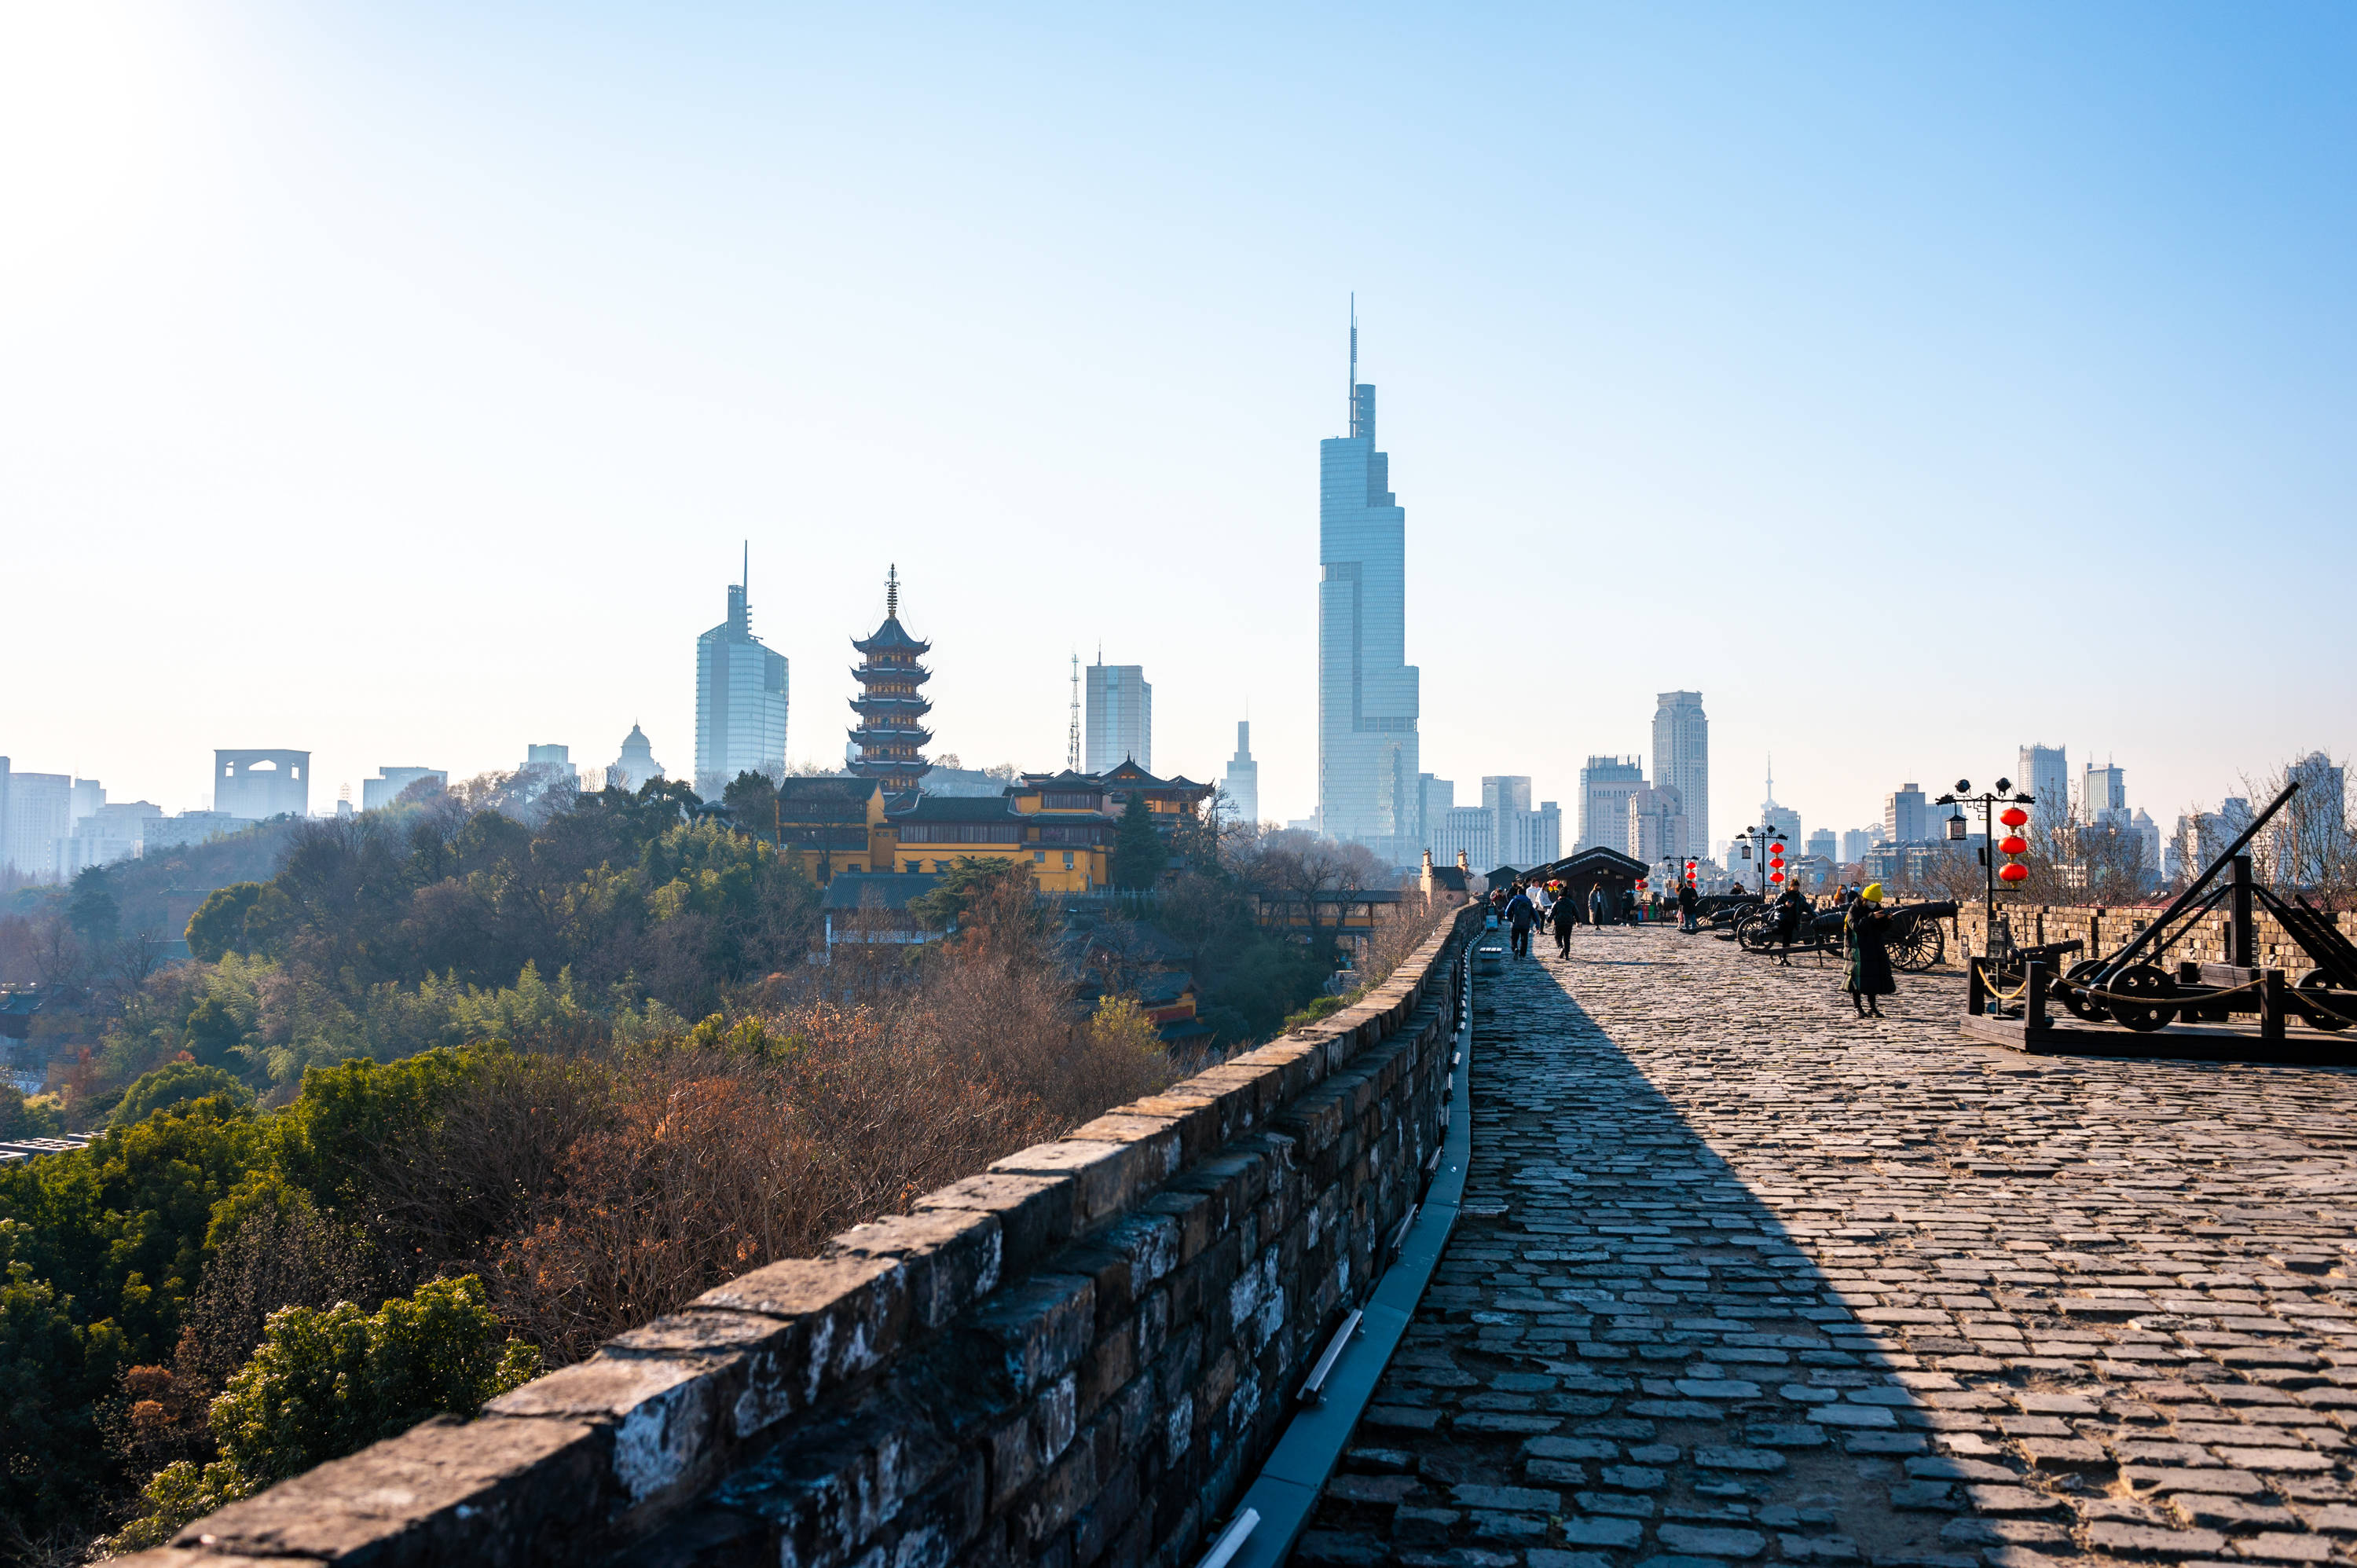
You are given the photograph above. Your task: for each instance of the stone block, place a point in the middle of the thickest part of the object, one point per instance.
(953, 1257)
(497, 1491)
(1034, 1213)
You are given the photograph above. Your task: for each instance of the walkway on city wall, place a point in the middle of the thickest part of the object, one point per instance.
(1736, 1277)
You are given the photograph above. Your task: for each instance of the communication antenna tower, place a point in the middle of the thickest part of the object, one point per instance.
(1073, 732)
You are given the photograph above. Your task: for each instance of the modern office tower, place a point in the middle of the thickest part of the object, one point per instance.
(85, 797)
(2104, 797)
(189, 827)
(1243, 777)
(382, 790)
(2147, 832)
(112, 833)
(1507, 799)
(1605, 786)
(740, 699)
(637, 767)
(1120, 717)
(1436, 797)
(1682, 757)
(891, 736)
(2044, 772)
(259, 785)
(1855, 842)
(1657, 825)
(1467, 830)
(36, 811)
(1906, 816)
(1545, 826)
(1368, 759)
(1824, 846)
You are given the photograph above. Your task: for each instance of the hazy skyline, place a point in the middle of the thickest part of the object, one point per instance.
(398, 385)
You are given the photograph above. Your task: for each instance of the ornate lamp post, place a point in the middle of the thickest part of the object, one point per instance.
(2013, 847)
(1766, 845)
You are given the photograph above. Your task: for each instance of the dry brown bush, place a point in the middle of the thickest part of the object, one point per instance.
(595, 1192)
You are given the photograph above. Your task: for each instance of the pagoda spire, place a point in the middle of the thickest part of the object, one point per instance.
(890, 733)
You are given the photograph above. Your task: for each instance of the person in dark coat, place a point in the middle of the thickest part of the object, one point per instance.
(1791, 908)
(1866, 935)
(1687, 901)
(1522, 914)
(1596, 906)
(1565, 915)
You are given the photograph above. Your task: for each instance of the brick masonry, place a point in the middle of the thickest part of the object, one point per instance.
(2106, 931)
(1077, 1357)
(1742, 1278)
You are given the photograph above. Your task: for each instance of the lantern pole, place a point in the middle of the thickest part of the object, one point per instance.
(1987, 801)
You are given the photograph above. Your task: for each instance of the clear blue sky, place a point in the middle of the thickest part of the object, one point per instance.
(398, 381)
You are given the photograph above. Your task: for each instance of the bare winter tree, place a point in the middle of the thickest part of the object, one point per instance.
(1315, 876)
(2310, 847)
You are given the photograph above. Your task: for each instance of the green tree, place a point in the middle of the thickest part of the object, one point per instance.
(172, 1085)
(752, 802)
(325, 1384)
(969, 881)
(1139, 852)
(24, 1117)
(53, 1371)
(91, 910)
(219, 924)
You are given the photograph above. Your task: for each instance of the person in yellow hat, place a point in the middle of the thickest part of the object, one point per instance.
(1865, 935)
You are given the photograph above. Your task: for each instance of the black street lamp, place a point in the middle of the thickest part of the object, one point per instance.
(1988, 800)
(1755, 841)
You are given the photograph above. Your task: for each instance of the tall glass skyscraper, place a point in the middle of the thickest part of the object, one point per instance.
(1682, 759)
(1367, 693)
(740, 701)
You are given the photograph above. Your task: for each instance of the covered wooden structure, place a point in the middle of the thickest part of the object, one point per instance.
(1616, 872)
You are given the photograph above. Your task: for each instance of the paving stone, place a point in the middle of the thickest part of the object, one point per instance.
(1701, 1540)
(1866, 1288)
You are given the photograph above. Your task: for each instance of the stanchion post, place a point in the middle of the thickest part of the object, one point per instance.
(2033, 1012)
(2271, 1006)
(1976, 992)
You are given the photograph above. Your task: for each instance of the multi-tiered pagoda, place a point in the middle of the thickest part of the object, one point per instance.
(891, 734)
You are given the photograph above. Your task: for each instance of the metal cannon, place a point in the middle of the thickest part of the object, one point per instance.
(1916, 942)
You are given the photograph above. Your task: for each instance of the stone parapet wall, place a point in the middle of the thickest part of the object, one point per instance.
(1077, 1357)
(2107, 930)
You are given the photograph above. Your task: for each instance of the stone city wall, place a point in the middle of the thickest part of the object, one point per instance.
(2106, 931)
(1077, 1357)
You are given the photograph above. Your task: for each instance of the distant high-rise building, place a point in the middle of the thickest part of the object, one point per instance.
(2147, 832)
(382, 790)
(1437, 799)
(1658, 826)
(36, 811)
(1682, 756)
(1243, 777)
(1906, 816)
(1507, 797)
(259, 785)
(1854, 843)
(1605, 786)
(1120, 717)
(637, 767)
(2104, 797)
(1825, 846)
(111, 833)
(1368, 757)
(1468, 831)
(2044, 772)
(740, 699)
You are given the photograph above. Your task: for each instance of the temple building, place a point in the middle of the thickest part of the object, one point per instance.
(890, 736)
(1063, 824)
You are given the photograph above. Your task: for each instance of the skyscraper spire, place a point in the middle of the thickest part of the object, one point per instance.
(1072, 733)
(746, 579)
(1351, 394)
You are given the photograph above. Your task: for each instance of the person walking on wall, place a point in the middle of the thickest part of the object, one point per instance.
(1597, 906)
(1688, 900)
(1522, 914)
(1865, 932)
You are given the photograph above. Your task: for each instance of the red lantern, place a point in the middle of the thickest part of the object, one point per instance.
(1640, 885)
(2013, 817)
(2015, 872)
(2013, 844)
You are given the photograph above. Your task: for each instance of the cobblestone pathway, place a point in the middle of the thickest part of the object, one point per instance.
(1759, 1282)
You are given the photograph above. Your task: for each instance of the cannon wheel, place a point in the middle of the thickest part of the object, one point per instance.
(2083, 1005)
(1920, 946)
(1755, 932)
(2320, 987)
(2142, 980)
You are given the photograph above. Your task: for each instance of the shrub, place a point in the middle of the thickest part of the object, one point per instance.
(325, 1384)
(172, 1086)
